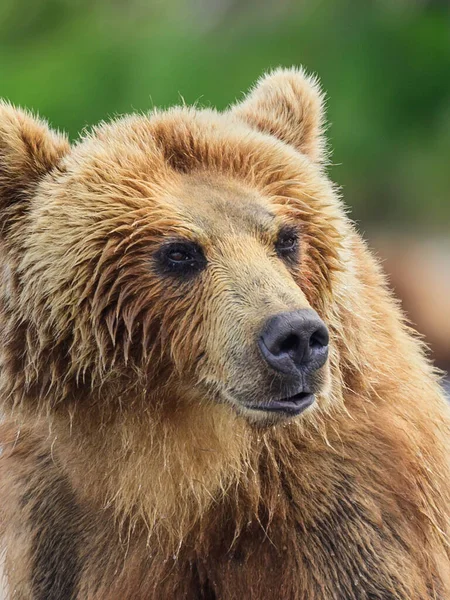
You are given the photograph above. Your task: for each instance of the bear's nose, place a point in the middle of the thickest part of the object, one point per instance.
(294, 341)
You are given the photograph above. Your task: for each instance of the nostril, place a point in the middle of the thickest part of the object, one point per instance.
(319, 339)
(290, 343)
(314, 342)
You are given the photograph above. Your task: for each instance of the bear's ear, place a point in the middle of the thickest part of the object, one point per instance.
(288, 104)
(28, 151)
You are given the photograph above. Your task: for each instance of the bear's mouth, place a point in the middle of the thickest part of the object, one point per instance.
(292, 405)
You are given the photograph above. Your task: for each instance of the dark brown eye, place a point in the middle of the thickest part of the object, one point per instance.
(179, 256)
(182, 258)
(287, 243)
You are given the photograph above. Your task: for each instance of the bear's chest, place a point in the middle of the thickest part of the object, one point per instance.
(344, 554)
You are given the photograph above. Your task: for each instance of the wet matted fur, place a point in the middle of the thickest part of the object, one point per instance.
(131, 467)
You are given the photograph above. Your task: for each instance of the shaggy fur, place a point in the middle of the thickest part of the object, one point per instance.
(131, 468)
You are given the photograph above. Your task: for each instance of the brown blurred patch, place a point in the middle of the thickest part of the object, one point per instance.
(419, 271)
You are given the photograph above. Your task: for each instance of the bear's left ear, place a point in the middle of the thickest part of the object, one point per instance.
(29, 150)
(289, 105)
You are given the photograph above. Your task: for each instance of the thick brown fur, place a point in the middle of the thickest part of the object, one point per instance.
(131, 468)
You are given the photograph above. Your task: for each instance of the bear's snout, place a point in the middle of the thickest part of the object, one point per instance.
(294, 343)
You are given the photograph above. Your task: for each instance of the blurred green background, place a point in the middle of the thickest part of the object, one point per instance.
(385, 65)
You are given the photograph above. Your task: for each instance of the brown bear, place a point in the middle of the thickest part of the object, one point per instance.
(208, 390)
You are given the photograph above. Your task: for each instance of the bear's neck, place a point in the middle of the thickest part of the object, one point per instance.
(171, 475)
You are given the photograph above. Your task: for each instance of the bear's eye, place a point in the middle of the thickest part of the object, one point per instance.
(184, 258)
(179, 256)
(287, 244)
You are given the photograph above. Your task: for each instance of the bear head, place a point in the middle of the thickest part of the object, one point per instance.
(174, 258)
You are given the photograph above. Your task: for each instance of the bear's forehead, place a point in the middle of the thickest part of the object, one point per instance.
(201, 169)
(214, 204)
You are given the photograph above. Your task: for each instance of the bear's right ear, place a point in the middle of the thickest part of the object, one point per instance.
(288, 104)
(28, 151)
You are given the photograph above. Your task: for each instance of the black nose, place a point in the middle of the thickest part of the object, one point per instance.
(295, 341)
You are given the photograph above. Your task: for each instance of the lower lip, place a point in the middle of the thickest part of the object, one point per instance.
(291, 406)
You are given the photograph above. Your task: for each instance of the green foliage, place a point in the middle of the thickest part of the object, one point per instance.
(385, 67)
